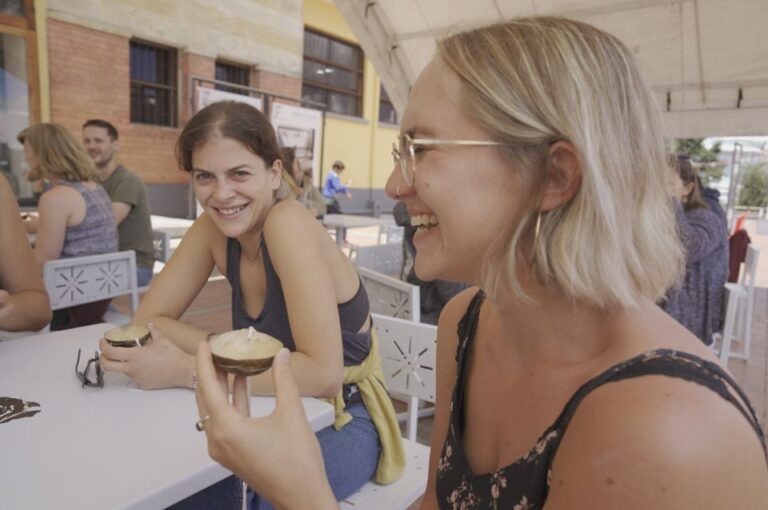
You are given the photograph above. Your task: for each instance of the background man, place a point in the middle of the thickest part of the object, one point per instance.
(127, 192)
(333, 186)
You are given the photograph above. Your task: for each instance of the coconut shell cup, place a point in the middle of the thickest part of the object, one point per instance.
(250, 365)
(128, 336)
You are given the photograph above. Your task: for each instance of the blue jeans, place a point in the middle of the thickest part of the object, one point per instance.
(143, 276)
(350, 456)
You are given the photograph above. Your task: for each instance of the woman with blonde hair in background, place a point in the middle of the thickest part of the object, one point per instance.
(75, 216)
(532, 158)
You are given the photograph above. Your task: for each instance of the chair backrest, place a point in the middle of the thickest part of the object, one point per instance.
(161, 243)
(390, 296)
(79, 280)
(389, 234)
(750, 269)
(408, 358)
(384, 258)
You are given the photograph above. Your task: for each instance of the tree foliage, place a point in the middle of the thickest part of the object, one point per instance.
(754, 186)
(710, 169)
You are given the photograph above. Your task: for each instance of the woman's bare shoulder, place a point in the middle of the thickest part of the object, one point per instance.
(658, 442)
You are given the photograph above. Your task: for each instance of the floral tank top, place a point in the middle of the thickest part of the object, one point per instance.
(524, 484)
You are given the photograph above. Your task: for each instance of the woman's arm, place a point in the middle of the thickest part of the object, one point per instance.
(55, 208)
(656, 442)
(180, 281)
(301, 262)
(24, 302)
(447, 343)
(269, 453)
(701, 231)
(168, 360)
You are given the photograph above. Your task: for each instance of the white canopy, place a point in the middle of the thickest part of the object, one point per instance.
(706, 60)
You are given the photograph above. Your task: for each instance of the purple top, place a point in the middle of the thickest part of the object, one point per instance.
(97, 233)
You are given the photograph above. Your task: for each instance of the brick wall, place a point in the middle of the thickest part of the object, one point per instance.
(276, 83)
(90, 77)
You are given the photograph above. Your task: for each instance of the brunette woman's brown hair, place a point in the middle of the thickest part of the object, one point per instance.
(238, 121)
(688, 174)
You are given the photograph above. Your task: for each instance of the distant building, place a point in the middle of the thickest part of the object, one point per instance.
(133, 62)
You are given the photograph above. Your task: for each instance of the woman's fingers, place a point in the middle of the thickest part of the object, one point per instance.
(286, 390)
(240, 395)
(211, 395)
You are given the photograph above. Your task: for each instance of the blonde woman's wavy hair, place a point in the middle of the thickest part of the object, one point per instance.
(58, 154)
(530, 82)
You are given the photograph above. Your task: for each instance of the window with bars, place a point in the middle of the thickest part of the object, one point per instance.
(233, 73)
(387, 113)
(333, 73)
(153, 84)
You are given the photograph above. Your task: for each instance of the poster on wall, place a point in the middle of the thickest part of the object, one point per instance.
(206, 96)
(300, 128)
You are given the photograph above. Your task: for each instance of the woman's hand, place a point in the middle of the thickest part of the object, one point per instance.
(6, 307)
(278, 455)
(158, 364)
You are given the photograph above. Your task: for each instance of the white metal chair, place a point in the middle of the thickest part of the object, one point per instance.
(408, 352)
(390, 296)
(161, 246)
(79, 280)
(390, 234)
(740, 299)
(161, 243)
(384, 258)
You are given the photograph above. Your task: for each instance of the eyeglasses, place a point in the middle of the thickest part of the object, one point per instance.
(91, 374)
(404, 156)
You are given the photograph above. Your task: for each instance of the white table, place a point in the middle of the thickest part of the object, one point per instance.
(176, 227)
(100, 448)
(341, 222)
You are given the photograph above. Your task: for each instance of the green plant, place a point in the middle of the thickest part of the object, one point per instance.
(754, 186)
(710, 169)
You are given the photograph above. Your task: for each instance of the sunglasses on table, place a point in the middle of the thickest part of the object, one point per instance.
(91, 375)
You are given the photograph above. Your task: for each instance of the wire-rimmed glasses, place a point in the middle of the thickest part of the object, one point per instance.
(92, 374)
(404, 156)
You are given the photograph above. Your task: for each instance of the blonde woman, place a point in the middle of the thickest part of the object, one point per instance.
(560, 384)
(74, 215)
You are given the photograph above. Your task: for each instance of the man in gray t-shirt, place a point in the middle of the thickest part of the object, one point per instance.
(130, 203)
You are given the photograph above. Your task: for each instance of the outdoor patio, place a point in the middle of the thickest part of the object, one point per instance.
(210, 311)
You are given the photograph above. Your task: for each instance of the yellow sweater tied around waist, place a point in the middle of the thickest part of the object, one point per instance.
(370, 381)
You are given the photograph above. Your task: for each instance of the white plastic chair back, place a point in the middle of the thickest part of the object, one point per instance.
(390, 296)
(408, 351)
(385, 258)
(161, 243)
(79, 280)
(407, 360)
(389, 234)
(740, 299)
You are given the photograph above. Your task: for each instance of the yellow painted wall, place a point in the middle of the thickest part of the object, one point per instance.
(363, 144)
(41, 34)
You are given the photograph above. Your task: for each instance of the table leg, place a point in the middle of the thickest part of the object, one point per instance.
(340, 231)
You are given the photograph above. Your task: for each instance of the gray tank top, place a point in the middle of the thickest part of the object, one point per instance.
(273, 318)
(97, 233)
